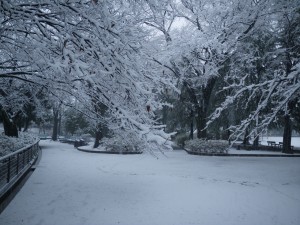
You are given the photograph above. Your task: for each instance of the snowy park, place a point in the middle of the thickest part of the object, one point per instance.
(72, 187)
(150, 112)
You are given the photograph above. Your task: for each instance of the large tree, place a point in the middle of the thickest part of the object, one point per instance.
(268, 81)
(199, 55)
(91, 50)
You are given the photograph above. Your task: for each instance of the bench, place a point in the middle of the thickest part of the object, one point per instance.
(271, 143)
(274, 144)
(279, 145)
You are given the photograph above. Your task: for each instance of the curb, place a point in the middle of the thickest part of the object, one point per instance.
(109, 152)
(241, 155)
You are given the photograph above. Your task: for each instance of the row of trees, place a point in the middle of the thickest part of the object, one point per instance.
(216, 64)
(238, 66)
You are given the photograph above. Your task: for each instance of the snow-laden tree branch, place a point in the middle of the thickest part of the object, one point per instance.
(263, 80)
(86, 50)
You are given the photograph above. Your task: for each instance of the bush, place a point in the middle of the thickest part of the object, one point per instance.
(11, 144)
(207, 146)
(126, 142)
(86, 137)
(180, 139)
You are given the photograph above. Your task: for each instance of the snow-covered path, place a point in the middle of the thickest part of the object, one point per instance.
(71, 187)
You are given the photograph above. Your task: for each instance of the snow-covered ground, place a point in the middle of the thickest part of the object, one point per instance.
(295, 140)
(70, 187)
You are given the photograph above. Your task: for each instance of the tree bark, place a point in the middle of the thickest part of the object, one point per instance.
(246, 138)
(192, 125)
(228, 135)
(164, 115)
(26, 124)
(98, 138)
(201, 123)
(287, 135)
(55, 126)
(59, 125)
(256, 141)
(201, 106)
(19, 126)
(10, 127)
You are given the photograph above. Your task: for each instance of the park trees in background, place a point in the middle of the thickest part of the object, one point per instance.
(244, 52)
(74, 122)
(268, 83)
(199, 55)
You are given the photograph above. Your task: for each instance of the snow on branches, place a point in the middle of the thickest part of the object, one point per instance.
(263, 80)
(90, 51)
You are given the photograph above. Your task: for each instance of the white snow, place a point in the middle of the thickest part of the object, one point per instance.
(11, 144)
(264, 141)
(256, 152)
(295, 140)
(70, 187)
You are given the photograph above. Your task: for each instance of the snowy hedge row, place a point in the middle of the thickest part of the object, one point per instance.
(207, 146)
(11, 144)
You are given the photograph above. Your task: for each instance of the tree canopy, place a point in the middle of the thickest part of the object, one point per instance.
(125, 60)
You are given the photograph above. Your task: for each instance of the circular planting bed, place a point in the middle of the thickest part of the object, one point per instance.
(125, 150)
(207, 147)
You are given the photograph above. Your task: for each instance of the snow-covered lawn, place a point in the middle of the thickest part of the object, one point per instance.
(70, 187)
(295, 140)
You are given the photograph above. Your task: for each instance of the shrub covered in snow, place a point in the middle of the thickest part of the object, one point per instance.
(127, 142)
(207, 146)
(11, 144)
(180, 139)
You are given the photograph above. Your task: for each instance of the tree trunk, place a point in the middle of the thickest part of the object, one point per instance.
(228, 135)
(19, 126)
(59, 125)
(200, 112)
(10, 127)
(26, 124)
(164, 115)
(256, 141)
(192, 125)
(201, 123)
(246, 138)
(287, 135)
(203, 104)
(18, 120)
(55, 126)
(98, 138)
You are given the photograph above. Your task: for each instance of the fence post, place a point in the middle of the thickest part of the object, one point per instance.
(28, 155)
(17, 164)
(8, 170)
(23, 153)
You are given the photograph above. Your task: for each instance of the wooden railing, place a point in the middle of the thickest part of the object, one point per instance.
(15, 164)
